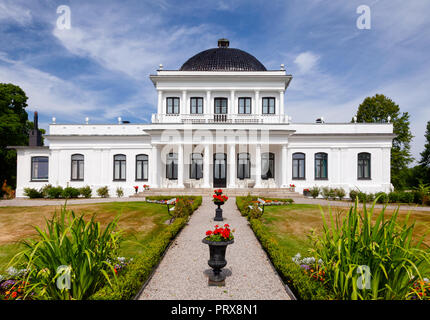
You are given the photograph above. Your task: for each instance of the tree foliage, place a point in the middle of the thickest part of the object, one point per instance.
(377, 109)
(14, 128)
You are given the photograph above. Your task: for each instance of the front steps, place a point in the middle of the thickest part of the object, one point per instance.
(262, 192)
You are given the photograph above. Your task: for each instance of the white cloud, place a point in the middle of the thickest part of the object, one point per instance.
(11, 11)
(306, 61)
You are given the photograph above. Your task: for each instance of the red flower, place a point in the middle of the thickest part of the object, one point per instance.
(208, 233)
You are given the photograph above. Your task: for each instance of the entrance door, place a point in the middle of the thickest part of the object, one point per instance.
(220, 170)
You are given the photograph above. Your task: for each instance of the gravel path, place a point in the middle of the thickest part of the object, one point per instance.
(182, 274)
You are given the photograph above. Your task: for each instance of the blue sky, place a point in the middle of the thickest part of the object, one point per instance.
(100, 67)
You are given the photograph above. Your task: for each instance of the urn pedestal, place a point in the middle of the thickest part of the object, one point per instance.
(217, 260)
(218, 211)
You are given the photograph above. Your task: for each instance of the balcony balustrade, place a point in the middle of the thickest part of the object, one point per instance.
(219, 118)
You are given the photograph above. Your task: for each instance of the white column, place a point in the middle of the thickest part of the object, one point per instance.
(257, 109)
(284, 166)
(232, 104)
(154, 167)
(281, 102)
(184, 109)
(181, 166)
(232, 163)
(206, 165)
(257, 166)
(207, 106)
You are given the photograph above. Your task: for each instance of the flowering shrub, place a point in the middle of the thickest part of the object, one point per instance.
(145, 187)
(218, 191)
(120, 263)
(136, 189)
(311, 267)
(421, 290)
(220, 234)
(12, 286)
(219, 198)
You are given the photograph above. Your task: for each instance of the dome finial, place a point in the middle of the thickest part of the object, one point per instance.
(223, 43)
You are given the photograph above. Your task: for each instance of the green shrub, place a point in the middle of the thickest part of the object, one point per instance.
(255, 212)
(406, 197)
(86, 192)
(83, 248)
(119, 192)
(386, 247)
(422, 192)
(70, 193)
(244, 203)
(370, 197)
(103, 192)
(33, 193)
(393, 197)
(326, 192)
(182, 208)
(381, 197)
(362, 196)
(315, 192)
(301, 284)
(195, 201)
(339, 193)
(45, 190)
(54, 192)
(353, 194)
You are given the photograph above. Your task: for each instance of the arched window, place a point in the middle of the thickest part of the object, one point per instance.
(364, 166)
(267, 166)
(172, 166)
(77, 167)
(196, 166)
(321, 166)
(39, 168)
(243, 166)
(142, 167)
(299, 169)
(119, 166)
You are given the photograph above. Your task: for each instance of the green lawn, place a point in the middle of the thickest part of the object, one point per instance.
(291, 224)
(140, 222)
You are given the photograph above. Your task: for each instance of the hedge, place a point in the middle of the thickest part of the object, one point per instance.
(197, 200)
(137, 273)
(302, 285)
(243, 203)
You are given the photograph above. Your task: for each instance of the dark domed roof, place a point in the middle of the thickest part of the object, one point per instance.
(223, 58)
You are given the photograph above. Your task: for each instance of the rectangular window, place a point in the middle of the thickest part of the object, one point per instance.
(220, 105)
(77, 167)
(196, 166)
(321, 166)
(269, 105)
(243, 166)
(172, 105)
(142, 167)
(244, 105)
(119, 166)
(363, 166)
(172, 166)
(267, 166)
(39, 168)
(299, 166)
(196, 105)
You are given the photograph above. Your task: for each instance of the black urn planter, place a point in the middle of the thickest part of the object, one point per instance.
(218, 211)
(217, 260)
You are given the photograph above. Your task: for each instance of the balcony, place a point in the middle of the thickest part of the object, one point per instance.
(219, 118)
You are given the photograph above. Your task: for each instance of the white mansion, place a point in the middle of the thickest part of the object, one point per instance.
(220, 122)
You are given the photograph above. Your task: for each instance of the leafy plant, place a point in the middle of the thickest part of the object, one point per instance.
(353, 194)
(255, 212)
(220, 234)
(119, 192)
(103, 192)
(326, 192)
(315, 192)
(32, 193)
(45, 189)
(71, 247)
(70, 193)
(54, 192)
(339, 193)
(86, 192)
(385, 247)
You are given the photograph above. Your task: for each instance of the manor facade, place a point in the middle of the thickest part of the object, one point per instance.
(221, 121)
